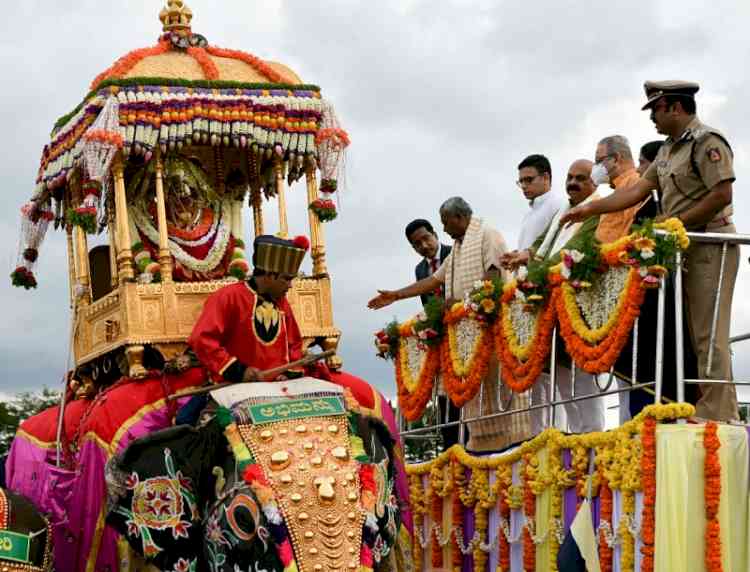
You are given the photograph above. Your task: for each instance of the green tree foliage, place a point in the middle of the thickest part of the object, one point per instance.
(23, 406)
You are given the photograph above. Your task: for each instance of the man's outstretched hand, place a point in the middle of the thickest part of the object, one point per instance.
(576, 214)
(383, 299)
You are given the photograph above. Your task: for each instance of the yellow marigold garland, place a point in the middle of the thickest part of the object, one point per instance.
(462, 379)
(617, 454)
(414, 394)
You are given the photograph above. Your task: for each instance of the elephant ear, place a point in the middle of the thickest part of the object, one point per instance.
(25, 520)
(158, 487)
(236, 535)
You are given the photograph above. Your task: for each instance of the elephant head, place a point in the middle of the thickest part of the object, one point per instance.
(306, 484)
(25, 536)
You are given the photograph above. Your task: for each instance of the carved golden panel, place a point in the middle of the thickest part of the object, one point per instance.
(153, 315)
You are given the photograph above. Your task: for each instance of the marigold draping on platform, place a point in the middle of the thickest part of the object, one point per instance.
(712, 496)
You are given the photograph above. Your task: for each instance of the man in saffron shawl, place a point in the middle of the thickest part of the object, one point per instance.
(475, 256)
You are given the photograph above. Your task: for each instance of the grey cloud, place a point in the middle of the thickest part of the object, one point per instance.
(440, 98)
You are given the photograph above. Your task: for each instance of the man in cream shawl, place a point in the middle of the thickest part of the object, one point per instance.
(476, 254)
(583, 416)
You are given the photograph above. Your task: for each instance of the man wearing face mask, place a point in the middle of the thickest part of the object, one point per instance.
(693, 170)
(614, 165)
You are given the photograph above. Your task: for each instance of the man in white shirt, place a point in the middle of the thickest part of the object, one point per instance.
(535, 181)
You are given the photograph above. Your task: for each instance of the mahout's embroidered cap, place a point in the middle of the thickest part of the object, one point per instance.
(655, 90)
(280, 255)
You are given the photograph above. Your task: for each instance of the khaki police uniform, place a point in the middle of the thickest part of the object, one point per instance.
(685, 170)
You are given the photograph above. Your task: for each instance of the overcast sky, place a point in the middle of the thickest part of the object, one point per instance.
(440, 98)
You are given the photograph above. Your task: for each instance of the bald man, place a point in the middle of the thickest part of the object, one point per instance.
(583, 416)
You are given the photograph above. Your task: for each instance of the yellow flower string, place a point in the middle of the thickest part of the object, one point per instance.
(593, 336)
(617, 453)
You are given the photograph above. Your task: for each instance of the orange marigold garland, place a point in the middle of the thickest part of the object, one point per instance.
(712, 497)
(127, 62)
(648, 477)
(462, 386)
(208, 66)
(605, 550)
(521, 375)
(600, 358)
(254, 62)
(413, 403)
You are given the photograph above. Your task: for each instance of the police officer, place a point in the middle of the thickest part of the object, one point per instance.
(693, 172)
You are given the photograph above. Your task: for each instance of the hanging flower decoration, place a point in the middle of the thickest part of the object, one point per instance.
(85, 215)
(325, 209)
(416, 368)
(620, 466)
(648, 472)
(239, 267)
(712, 497)
(465, 355)
(328, 186)
(35, 220)
(522, 360)
(595, 351)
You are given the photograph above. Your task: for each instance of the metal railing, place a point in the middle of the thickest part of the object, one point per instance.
(654, 386)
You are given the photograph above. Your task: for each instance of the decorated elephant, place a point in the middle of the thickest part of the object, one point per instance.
(25, 536)
(275, 477)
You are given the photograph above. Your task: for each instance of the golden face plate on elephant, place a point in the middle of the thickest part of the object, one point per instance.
(309, 465)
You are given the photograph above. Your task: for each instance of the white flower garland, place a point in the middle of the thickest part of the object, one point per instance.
(206, 237)
(599, 301)
(467, 331)
(524, 323)
(415, 356)
(209, 263)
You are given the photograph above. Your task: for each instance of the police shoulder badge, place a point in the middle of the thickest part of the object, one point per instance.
(714, 155)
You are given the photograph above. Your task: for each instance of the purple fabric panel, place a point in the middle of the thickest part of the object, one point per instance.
(467, 562)
(49, 488)
(87, 504)
(402, 484)
(570, 499)
(595, 511)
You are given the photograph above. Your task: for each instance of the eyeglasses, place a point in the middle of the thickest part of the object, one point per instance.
(525, 181)
(602, 159)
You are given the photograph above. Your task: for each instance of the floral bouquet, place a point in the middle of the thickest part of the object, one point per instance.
(530, 286)
(386, 341)
(23, 277)
(328, 186)
(579, 266)
(85, 214)
(651, 254)
(428, 324)
(481, 302)
(324, 208)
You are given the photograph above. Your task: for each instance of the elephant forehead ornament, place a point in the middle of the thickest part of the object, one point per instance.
(316, 483)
